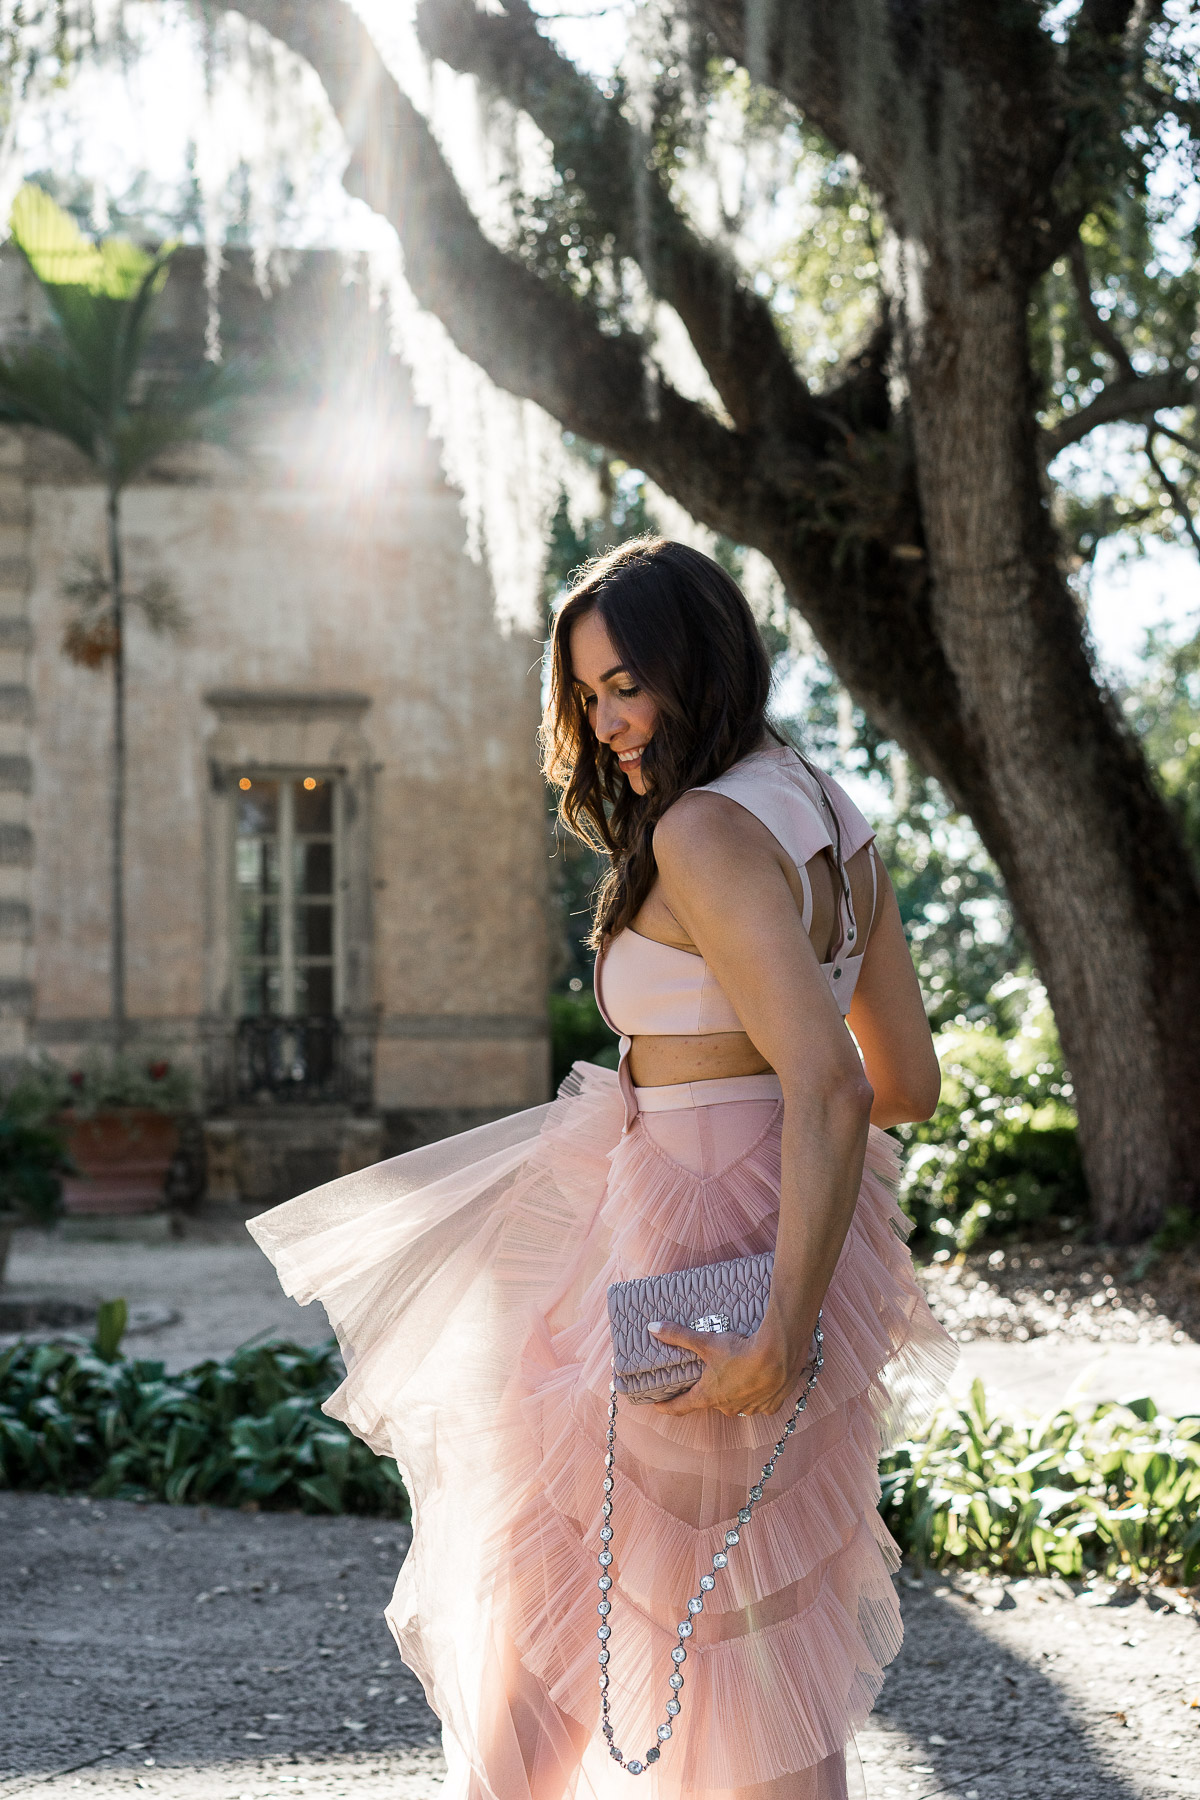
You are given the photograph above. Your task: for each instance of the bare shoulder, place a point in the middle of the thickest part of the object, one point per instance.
(700, 830)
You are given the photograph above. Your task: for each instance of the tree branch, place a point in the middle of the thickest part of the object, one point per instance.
(1171, 489)
(1190, 444)
(530, 336)
(1101, 329)
(1127, 400)
(731, 327)
(794, 46)
(1105, 25)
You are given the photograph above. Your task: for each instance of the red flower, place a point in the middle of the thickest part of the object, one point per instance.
(76, 1078)
(157, 1070)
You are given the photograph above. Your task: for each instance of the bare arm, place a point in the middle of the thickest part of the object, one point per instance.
(887, 1017)
(723, 878)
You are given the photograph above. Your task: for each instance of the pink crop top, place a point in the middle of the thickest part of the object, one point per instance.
(648, 989)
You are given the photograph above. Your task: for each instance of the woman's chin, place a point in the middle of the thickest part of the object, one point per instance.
(634, 778)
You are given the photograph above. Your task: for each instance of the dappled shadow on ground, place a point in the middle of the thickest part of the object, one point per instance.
(191, 1653)
(1073, 1290)
(1026, 1692)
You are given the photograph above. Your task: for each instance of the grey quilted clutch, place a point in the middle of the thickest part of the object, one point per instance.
(725, 1296)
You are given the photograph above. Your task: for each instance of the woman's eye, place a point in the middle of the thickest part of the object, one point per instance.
(629, 693)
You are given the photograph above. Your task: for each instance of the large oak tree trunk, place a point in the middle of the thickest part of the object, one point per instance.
(1095, 869)
(974, 661)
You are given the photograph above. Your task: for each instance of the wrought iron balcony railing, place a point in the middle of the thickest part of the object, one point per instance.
(290, 1059)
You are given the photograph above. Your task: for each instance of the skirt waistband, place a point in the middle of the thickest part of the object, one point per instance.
(681, 1094)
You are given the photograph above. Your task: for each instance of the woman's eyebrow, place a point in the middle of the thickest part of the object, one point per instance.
(617, 669)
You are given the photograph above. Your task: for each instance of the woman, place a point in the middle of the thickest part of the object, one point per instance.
(744, 918)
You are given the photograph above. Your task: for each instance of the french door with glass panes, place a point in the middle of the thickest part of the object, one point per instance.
(286, 873)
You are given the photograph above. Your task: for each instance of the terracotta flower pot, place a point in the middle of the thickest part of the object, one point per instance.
(122, 1157)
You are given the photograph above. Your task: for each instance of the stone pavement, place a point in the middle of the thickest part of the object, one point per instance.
(196, 1654)
(220, 1292)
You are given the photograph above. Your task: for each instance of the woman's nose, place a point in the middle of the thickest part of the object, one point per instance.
(608, 720)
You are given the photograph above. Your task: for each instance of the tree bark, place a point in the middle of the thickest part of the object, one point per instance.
(1093, 863)
(974, 658)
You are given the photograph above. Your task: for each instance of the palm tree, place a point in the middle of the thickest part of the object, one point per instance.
(88, 381)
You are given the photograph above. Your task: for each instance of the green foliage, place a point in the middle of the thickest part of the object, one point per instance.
(824, 282)
(578, 1034)
(952, 900)
(112, 1316)
(248, 1429)
(43, 1089)
(953, 903)
(1113, 1489)
(1001, 1152)
(1164, 708)
(625, 514)
(33, 1160)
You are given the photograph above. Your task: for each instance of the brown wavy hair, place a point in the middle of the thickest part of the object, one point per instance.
(684, 631)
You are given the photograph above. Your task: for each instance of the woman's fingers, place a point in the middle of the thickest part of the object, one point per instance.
(735, 1379)
(682, 1337)
(731, 1380)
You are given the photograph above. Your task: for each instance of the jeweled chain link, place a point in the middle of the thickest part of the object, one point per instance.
(707, 1582)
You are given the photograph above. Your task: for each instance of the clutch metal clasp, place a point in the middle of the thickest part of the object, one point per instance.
(711, 1322)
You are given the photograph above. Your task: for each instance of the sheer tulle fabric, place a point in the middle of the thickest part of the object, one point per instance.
(467, 1285)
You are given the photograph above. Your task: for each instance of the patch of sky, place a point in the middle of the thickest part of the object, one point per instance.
(180, 134)
(1132, 593)
(1137, 582)
(593, 35)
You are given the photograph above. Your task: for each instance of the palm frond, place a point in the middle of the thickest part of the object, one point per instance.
(41, 386)
(61, 257)
(160, 606)
(88, 586)
(88, 384)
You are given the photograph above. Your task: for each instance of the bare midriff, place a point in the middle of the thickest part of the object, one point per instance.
(662, 1061)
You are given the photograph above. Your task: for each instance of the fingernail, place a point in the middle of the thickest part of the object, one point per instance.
(655, 1325)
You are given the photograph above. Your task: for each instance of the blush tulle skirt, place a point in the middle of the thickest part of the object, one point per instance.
(467, 1286)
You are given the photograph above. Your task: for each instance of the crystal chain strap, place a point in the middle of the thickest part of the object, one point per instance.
(707, 1582)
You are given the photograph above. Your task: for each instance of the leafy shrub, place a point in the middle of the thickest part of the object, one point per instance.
(1114, 1488)
(578, 1033)
(44, 1088)
(33, 1161)
(247, 1429)
(1001, 1151)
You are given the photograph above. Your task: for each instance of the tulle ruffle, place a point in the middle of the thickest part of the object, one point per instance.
(467, 1284)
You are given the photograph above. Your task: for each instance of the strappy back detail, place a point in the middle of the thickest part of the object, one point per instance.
(646, 988)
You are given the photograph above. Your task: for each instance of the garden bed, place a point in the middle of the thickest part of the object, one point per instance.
(1101, 1490)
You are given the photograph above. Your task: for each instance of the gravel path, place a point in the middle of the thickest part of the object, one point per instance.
(1067, 1290)
(195, 1654)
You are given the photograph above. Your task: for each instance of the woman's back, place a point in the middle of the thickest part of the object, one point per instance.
(649, 982)
(655, 988)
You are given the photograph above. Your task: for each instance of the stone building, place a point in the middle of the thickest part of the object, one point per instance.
(337, 857)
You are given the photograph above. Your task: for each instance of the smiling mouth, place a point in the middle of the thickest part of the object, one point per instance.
(627, 758)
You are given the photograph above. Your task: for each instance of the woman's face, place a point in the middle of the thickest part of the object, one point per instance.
(619, 712)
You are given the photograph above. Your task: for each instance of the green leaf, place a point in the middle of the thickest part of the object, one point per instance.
(61, 257)
(112, 1316)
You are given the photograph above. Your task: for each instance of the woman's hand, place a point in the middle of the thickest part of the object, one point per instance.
(741, 1375)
